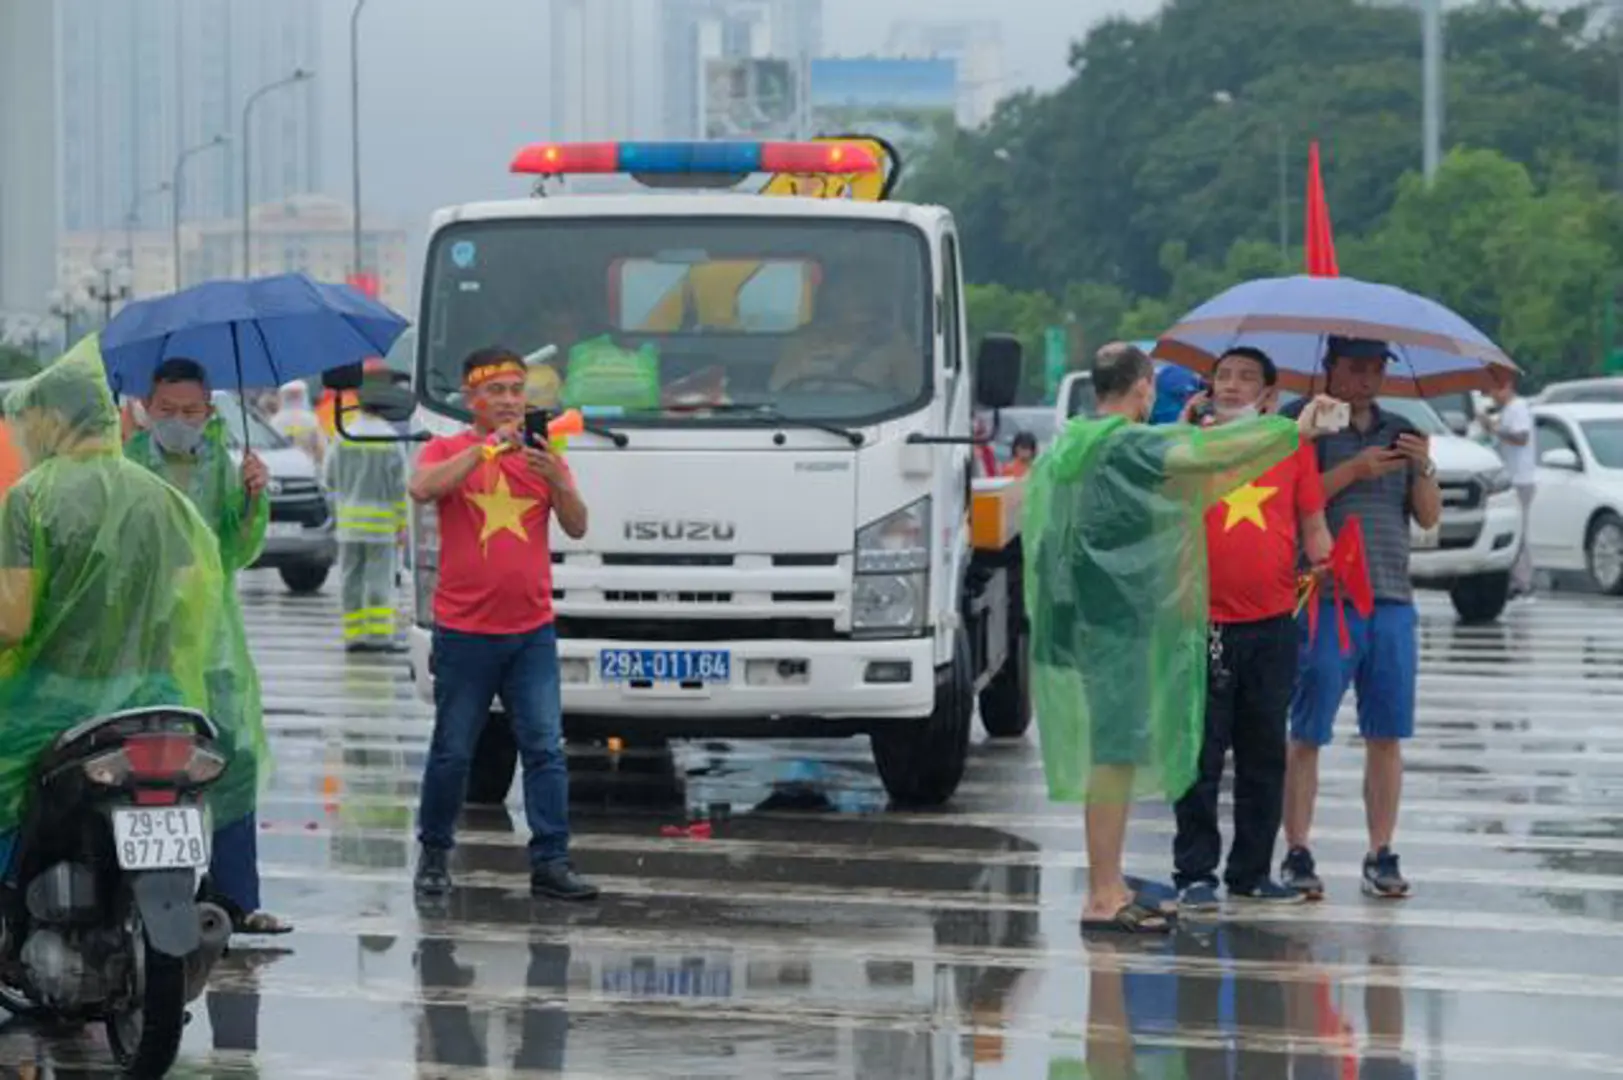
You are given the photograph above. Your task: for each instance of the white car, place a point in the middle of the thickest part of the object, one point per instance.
(1580, 491)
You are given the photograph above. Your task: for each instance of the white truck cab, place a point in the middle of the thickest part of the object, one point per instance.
(777, 393)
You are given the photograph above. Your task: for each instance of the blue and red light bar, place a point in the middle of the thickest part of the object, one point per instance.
(713, 158)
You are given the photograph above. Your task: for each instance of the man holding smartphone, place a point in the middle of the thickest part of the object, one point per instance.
(1379, 470)
(496, 492)
(1252, 537)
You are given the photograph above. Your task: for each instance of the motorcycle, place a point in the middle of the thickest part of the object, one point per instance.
(102, 921)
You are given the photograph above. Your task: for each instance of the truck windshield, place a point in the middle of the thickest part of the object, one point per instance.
(687, 321)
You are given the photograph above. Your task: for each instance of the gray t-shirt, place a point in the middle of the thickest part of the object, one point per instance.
(1382, 504)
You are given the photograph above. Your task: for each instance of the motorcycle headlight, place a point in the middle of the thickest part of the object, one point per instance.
(891, 591)
(1496, 482)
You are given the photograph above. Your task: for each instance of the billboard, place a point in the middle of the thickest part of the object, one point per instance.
(751, 99)
(903, 101)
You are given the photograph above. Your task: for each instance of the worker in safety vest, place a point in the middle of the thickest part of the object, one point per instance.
(367, 481)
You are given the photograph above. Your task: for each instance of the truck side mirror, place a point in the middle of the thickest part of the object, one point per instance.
(340, 379)
(391, 401)
(998, 371)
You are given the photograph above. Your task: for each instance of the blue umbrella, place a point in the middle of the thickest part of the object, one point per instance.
(1292, 318)
(258, 334)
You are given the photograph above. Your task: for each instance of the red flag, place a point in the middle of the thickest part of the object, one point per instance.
(365, 283)
(1349, 577)
(1318, 239)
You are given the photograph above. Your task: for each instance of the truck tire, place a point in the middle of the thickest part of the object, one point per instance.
(1603, 553)
(1006, 701)
(1480, 598)
(305, 578)
(495, 760)
(921, 762)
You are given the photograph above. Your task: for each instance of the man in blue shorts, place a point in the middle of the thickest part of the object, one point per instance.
(1379, 469)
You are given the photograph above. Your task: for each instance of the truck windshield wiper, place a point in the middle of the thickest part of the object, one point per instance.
(769, 414)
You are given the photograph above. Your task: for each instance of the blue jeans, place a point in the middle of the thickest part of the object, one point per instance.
(234, 863)
(470, 672)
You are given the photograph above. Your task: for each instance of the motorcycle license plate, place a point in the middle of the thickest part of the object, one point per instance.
(160, 838)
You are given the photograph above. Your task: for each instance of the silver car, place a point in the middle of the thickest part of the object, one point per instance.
(300, 543)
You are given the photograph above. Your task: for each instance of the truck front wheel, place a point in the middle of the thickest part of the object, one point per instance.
(921, 762)
(1006, 701)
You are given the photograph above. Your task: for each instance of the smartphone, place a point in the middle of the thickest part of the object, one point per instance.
(535, 428)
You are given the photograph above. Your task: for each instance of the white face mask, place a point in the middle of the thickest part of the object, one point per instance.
(1244, 412)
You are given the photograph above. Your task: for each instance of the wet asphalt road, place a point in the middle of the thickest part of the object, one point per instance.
(816, 935)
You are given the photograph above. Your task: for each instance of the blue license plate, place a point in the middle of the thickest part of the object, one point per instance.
(665, 665)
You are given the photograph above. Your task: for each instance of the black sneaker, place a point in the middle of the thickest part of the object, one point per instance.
(1298, 872)
(433, 872)
(1382, 878)
(558, 881)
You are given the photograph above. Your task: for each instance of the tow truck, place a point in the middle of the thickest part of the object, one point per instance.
(771, 357)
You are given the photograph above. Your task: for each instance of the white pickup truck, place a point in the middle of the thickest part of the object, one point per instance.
(1471, 550)
(777, 388)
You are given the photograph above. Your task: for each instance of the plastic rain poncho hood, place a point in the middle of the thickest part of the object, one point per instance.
(1116, 588)
(212, 480)
(109, 579)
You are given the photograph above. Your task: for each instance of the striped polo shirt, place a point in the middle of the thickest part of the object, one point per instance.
(1381, 504)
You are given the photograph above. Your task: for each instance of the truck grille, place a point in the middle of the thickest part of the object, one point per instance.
(621, 596)
(1461, 495)
(612, 629)
(309, 512)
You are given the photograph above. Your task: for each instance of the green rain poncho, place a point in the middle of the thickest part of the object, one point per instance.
(1116, 589)
(109, 579)
(213, 482)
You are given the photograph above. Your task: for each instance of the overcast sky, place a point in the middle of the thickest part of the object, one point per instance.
(447, 96)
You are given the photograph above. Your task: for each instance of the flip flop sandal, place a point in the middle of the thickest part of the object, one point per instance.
(1131, 918)
(259, 924)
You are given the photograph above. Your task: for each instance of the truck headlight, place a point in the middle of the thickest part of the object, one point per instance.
(1496, 482)
(892, 586)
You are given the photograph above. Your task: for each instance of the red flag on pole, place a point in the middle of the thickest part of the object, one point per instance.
(365, 283)
(1319, 241)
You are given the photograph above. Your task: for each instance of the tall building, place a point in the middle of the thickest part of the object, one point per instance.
(977, 46)
(141, 82)
(28, 176)
(605, 68)
(696, 32)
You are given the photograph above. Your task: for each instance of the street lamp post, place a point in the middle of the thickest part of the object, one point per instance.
(132, 218)
(1431, 76)
(175, 190)
(355, 128)
(299, 75)
(65, 305)
(108, 283)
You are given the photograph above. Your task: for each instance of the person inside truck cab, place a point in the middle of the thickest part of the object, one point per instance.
(850, 344)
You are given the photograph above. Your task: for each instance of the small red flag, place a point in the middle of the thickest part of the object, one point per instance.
(1348, 571)
(1317, 236)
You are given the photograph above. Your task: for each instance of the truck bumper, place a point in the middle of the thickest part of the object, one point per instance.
(1493, 551)
(771, 682)
(312, 547)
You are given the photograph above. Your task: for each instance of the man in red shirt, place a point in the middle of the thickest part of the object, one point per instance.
(493, 623)
(1251, 545)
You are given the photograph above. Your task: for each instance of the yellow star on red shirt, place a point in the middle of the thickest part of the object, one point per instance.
(503, 512)
(1245, 504)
